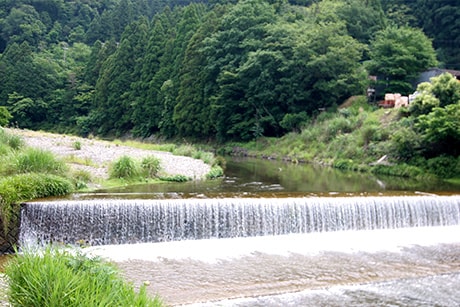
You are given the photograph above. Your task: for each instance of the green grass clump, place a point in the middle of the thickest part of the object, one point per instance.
(185, 150)
(150, 166)
(22, 187)
(125, 168)
(34, 160)
(76, 145)
(10, 140)
(215, 172)
(54, 277)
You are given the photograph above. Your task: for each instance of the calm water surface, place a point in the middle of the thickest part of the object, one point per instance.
(246, 177)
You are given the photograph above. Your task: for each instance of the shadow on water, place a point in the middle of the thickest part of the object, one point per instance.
(246, 177)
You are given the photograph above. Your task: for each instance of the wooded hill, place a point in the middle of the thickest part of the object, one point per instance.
(218, 70)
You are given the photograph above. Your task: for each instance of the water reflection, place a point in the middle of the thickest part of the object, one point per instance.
(245, 177)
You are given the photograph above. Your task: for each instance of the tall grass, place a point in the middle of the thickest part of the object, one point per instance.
(54, 277)
(125, 168)
(22, 187)
(34, 160)
(150, 166)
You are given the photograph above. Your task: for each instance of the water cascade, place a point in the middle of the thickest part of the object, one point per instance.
(102, 222)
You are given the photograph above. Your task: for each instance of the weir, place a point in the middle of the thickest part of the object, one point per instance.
(103, 222)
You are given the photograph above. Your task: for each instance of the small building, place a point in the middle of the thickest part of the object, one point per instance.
(434, 72)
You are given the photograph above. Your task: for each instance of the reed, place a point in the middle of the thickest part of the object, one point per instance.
(57, 277)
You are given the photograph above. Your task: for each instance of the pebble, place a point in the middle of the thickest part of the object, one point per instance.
(97, 155)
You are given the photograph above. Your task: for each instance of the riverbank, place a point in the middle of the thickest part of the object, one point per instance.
(95, 156)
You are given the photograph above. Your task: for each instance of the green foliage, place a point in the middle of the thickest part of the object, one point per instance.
(441, 130)
(54, 277)
(18, 188)
(400, 170)
(405, 143)
(5, 116)
(11, 141)
(186, 150)
(443, 166)
(76, 145)
(437, 109)
(293, 122)
(124, 168)
(215, 172)
(34, 160)
(398, 54)
(150, 166)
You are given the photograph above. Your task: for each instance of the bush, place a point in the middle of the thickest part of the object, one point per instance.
(150, 166)
(444, 166)
(5, 116)
(124, 168)
(215, 172)
(76, 145)
(61, 278)
(9, 141)
(35, 160)
(23, 187)
(400, 170)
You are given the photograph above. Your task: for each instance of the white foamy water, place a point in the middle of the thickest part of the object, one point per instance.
(213, 250)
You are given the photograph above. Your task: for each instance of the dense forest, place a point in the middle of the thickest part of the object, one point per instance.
(211, 70)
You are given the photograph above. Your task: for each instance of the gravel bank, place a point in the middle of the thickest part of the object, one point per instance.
(96, 155)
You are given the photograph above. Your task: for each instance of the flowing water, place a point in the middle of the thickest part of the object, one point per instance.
(266, 236)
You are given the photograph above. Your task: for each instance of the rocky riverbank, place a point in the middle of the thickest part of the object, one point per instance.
(95, 156)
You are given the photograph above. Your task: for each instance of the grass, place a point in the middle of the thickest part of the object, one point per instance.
(57, 277)
(22, 187)
(354, 138)
(39, 161)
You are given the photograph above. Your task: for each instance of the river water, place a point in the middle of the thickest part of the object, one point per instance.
(416, 265)
(247, 177)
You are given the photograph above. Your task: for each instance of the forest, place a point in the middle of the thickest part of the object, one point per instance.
(209, 70)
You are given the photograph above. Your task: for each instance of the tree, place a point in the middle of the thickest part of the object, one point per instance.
(23, 24)
(397, 55)
(441, 91)
(437, 111)
(5, 116)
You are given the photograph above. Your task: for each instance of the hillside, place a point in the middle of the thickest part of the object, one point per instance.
(209, 71)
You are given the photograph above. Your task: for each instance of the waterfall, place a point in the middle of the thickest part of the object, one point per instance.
(102, 222)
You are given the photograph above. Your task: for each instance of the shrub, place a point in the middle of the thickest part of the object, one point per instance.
(444, 166)
(150, 166)
(35, 160)
(76, 145)
(81, 178)
(56, 277)
(400, 170)
(405, 142)
(23, 187)
(215, 172)
(5, 116)
(11, 141)
(345, 164)
(124, 168)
